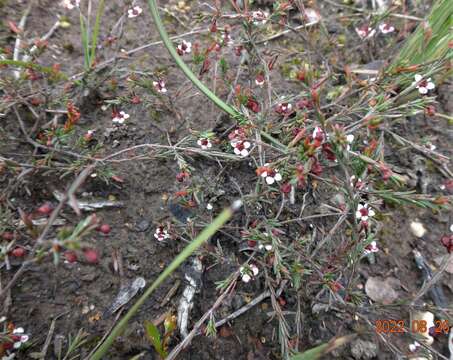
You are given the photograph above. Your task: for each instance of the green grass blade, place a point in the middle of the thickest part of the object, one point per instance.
(323, 349)
(85, 45)
(95, 35)
(207, 232)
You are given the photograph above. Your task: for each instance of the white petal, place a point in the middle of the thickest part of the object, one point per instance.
(237, 151)
(371, 212)
(209, 145)
(364, 218)
(264, 174)
(358, 214)
(268, 247)
(270, 180)
(246, 144)
(246, 278)
(278, 177)
(24, 338)
(254, 270)
(350, 138)
(422, 90)
(244, 152)
(19, 330)
(430, 86)
(17, 345)
(360, 206)
(418, 77)
(199, 143)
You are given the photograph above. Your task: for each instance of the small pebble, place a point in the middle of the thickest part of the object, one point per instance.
(418, 229)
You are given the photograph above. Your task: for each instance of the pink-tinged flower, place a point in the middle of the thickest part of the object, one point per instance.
(89, 135)
(241, 148)
(134, 12)
(364, 212)
(423, 85)
(120, 117)
(161, 233)
(204, 143)
(237, 135)
(318, 136)
(19, 337)
(270, 174)
(414, 346)
(253, 105)
(260, 17)
(365, 32)
(386, 28)
(259, 80)
(248, 272)
(356, 182)
(160, 86)
(184, 48)
(284, 108)
(371, 248)
(70, 4)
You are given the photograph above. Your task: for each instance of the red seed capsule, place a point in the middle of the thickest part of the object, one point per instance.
(105, 229)
(8, 236)
(70, 256)
(91, 256)
(45, 209)
(18, 252)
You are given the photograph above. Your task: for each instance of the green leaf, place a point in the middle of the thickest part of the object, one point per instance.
(95, 34)
(323, 349)
(153, 334)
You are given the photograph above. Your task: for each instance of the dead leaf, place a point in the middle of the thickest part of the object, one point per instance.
(382, 290)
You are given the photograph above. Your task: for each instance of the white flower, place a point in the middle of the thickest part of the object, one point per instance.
(209, 206)
(227, 39)
(371, 248)
(160, 86)
(247, 272)
(271, 175)
(23, 338)
(365, 32)
(184, 48)
(267, 247)
(423, 85)
(70, 4)
(120, 117)
(259, 17)
(161, 234)
(259, 80)
(364, 212)
(349, 139)
(134, 12)
(204, 143)
(386, 28)
(414, 346)
(241, 147)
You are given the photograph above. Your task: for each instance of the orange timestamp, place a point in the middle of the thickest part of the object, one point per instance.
(417, 326)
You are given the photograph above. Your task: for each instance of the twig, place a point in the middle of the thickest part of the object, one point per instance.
(47, 36)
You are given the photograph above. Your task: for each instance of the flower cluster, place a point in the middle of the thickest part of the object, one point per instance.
(120, 117)
(239, 143)
(270, 174)
(184, 48)
(161, 233)
(14, 340)
(366, 32)
(248, 272)
(134, 12)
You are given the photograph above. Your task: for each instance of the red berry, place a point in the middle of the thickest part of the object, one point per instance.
(45, 209)
(70, 256)
(8, 236)
(105, 229)
(18, 252)
(91, 256)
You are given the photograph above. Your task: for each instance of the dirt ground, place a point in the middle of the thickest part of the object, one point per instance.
(66, 293)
